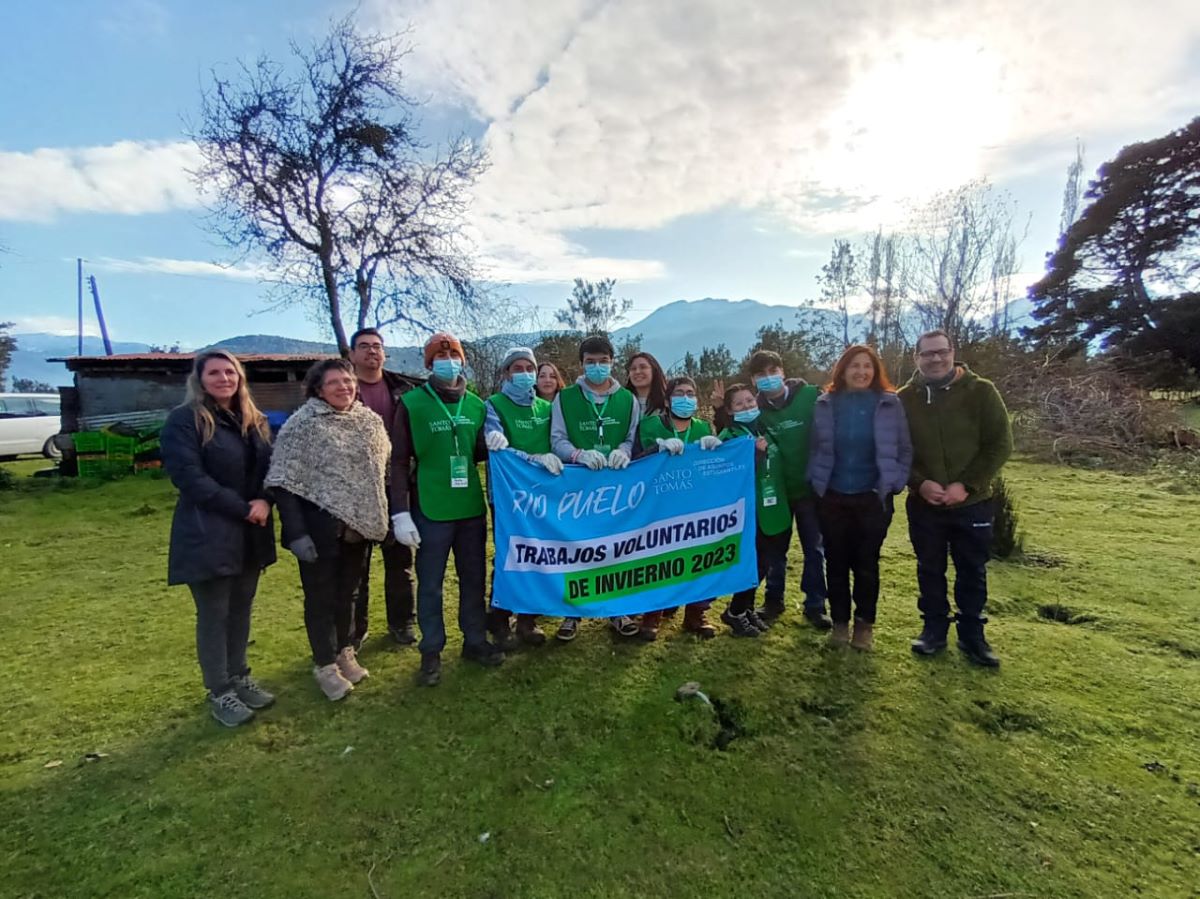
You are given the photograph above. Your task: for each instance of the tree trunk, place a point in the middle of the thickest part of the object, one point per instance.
(329, 280)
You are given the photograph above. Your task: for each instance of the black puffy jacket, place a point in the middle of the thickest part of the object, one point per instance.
(209, 534)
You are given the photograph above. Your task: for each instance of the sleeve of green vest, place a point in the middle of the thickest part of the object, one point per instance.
(995, 441)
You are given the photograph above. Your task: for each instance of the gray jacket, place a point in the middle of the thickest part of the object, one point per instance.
(893, 447)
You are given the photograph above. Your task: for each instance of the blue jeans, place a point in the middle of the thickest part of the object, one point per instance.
(966, 534)
(467, 539)
(812, 579)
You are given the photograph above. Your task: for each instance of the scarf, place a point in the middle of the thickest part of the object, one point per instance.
(516, 394)
(338, 461)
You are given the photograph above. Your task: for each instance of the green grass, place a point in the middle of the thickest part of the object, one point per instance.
(1190, 413)
(1071, 772)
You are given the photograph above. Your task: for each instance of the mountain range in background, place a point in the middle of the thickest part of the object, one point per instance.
(669, 332)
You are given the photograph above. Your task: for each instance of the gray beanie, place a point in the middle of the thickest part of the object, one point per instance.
(517, 352)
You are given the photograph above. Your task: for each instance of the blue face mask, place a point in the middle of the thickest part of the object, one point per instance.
(524, 380)
(597, 372)
(769, 383)
(746, 416)
(683, 406)
(447, 369)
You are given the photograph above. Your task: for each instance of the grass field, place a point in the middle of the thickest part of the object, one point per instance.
(571, 771)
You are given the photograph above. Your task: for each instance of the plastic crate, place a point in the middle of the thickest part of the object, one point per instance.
(89, 441)
(118, 447)
(93, 467)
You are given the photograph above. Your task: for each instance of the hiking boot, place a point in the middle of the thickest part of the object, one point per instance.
(228, 709)
(771, 610)
(817, 618)
(331, 681)
(528, 632)
(500, 627)
(932, 638)
(648, 630)
(251, 694)
(623, 625)
(489, 655)
(757, 620)
(973, 645)
(670, 613)
(431, 669)
(347, 663)
(405, 635)
(695, 621)
(839, 634)
(568, 630)
(740, 625)
(864, 635)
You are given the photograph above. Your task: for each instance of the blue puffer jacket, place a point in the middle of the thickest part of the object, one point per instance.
(893, 447)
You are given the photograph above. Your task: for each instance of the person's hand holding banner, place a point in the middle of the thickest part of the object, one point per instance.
(672, 445)
(618, 460)
(406, 530)
(591, 458)
(709, 442)
(496, 441)
(548, 461)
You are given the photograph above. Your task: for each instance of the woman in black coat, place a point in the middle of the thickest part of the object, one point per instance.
(216, 448)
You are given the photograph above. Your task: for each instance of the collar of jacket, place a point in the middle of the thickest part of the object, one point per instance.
(449, 391)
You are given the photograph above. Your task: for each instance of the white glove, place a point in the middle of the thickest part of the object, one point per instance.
(405, 530)
(495, 441)
(708, 442)
(592, 459)
(672, 445)
(617, 459)
(548, 461)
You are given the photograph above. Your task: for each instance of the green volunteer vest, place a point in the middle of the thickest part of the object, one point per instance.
(582, 418)
(777, 518)
(791, 428)
(655, 428)
(433, 444)
(526, 427)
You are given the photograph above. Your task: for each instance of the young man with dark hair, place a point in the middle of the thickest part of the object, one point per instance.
(961, 439)
(787, 413)
(380, 390)
(594, 423)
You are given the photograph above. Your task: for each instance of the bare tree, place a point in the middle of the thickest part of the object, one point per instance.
(839, 281)
(957, 238)
(592, 308)
(325, 175)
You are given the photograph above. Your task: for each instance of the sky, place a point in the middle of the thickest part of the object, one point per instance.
(702, 149)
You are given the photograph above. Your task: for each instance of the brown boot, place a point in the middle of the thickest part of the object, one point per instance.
(694, 620)
(648, 629)
(839, 635)
(528, 631)
(864, 635)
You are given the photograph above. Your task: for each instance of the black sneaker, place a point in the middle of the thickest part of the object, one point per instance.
(757, 620)
(489, 655)
(568, 630)
(228, 709)
(818, 619)
(741, 625)
(978, 652)
(931, 640)
(405, 635)
(431, 669)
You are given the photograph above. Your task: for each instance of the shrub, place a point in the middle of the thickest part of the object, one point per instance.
(1007, 540)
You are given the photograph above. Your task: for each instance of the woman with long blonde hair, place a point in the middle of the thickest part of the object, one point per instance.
(216, 447)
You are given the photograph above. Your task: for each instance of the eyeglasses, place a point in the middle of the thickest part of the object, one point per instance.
(374, 347)
(935, 354)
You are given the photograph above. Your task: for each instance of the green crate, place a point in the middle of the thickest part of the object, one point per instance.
(116, 446)
(93, 468)
(89, 441)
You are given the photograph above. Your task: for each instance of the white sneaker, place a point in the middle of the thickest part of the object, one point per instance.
(347, 663)
(331, 682)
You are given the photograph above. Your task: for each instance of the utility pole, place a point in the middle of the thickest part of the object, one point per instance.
(100, 315)
(79, 299)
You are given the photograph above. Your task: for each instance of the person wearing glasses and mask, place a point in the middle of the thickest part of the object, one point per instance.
(961, 438)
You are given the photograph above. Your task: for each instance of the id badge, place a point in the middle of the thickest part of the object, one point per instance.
(459, 472)
(769, 498)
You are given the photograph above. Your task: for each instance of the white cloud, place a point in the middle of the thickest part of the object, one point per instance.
(632, 113)
(127, 178)
(59, 325)
(155, 265)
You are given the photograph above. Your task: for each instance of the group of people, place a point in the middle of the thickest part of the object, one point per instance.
(376, 459)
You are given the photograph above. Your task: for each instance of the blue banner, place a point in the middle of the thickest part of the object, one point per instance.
(666, 531)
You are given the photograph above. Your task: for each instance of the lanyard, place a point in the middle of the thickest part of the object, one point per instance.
(453, 418)
(598, 411)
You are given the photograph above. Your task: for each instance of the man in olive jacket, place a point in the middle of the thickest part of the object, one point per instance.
(961, 438)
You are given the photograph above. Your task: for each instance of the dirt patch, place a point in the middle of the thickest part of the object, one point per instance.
(1063, 614)
(999, 719)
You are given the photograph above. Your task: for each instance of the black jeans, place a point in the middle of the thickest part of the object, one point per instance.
(853, 526)
(812, 578)
(223, 606)
(966, 531)
(769, 549)
(397, 587)
(329, 585)
(467, 539)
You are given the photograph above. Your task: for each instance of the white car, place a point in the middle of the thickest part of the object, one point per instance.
(28, 423)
